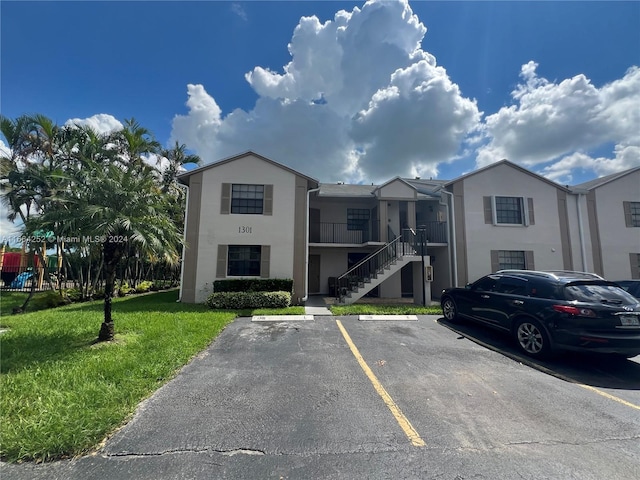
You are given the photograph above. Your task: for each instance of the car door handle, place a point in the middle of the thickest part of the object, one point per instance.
(485, 296)
(518, 302)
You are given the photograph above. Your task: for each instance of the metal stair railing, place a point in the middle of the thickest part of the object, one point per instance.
(369, 267)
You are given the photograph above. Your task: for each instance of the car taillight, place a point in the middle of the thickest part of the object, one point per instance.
(571, 310)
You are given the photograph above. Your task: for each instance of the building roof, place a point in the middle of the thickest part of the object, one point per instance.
(427, 187)
(598, 182)
(401, 180)
(512, 165)
(184, 178)
(346, 190)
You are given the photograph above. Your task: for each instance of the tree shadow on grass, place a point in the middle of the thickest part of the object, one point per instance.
(166, 301)
(21, 351)
(24, 349)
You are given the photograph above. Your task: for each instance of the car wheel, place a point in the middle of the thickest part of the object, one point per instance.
(532, 338)
(449, 309)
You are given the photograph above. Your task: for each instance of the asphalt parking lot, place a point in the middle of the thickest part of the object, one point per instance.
(340, 398)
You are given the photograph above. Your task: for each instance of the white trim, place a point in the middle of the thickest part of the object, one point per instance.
(523, 211)
(306, 246)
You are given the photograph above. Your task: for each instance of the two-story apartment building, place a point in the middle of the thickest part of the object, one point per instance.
(246, 217)
(251, 216)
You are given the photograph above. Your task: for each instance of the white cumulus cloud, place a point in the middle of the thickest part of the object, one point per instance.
(358, 99)
(101, 123)
(561, 122)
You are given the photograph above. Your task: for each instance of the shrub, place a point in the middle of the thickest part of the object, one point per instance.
(48, 299)
(242, 300)
(97, 294)
(124, 289)
(73, 294)
(254, 285)
(144, 286)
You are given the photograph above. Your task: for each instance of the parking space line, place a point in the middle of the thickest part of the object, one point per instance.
(543, 369)
(404, 423)
(609, 396)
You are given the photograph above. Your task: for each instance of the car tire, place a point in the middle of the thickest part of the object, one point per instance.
(531, 338)
(449, 309)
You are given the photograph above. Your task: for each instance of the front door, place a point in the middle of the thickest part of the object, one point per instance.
(314, 273)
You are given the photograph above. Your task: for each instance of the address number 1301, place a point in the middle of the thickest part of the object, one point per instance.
(244, 229)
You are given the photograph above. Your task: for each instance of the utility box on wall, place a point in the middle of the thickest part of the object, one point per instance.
(428, 273)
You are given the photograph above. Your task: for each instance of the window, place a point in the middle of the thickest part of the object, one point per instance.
(511, 259)
(358, 219)
(634, 259)
(509, 210)
(512, 286)
(632, 214)
(244, 260)
(486, 284)
(247, 199)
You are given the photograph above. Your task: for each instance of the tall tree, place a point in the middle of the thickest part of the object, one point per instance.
(99, 187)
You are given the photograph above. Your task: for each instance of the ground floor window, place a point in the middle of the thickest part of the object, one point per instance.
(244, 261)
(635, 265)
(511, 259)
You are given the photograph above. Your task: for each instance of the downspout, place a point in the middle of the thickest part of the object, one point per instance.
(583, 251)
(453, 234)
(306, 260)
(446, 205)
(184, 238)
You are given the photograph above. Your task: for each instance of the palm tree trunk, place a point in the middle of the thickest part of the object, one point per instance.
(112, 255)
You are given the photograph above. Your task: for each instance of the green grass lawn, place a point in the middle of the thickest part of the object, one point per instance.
(10, 300)
(61, 394)
(379, 309)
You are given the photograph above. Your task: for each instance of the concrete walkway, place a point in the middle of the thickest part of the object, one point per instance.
(316, 305)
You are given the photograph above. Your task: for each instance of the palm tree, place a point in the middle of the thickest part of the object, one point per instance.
(123, 209)
(177, 157)
(79, 183)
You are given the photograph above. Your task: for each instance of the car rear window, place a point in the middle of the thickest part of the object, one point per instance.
(598, 293)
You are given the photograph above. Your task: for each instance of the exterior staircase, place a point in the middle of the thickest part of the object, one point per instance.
(376, 268)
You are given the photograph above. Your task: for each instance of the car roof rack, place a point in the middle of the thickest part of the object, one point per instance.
(555, 274)
(561, 273)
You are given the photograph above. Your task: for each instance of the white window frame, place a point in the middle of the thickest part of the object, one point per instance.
(524, 210)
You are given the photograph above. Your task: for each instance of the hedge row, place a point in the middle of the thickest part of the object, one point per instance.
(242, 300)
(254, 285)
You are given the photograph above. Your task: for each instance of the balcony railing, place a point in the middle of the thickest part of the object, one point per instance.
(342, 233)
(436, 231)
(324, 232)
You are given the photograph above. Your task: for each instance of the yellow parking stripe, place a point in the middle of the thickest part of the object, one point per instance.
(546, 370)
(404, 423)
(609, 396)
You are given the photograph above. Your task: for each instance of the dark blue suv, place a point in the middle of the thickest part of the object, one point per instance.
(551, 310)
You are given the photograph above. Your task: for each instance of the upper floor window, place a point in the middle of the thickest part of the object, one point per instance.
(500, 210)
(509, 210)
(632, 214)
(358, 218)
(247, 199)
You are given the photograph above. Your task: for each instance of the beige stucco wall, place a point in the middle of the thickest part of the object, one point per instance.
(543, 238)
(617, 240)
(396, 189)
(276, 230)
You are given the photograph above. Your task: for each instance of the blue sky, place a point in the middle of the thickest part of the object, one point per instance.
(381, 89)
